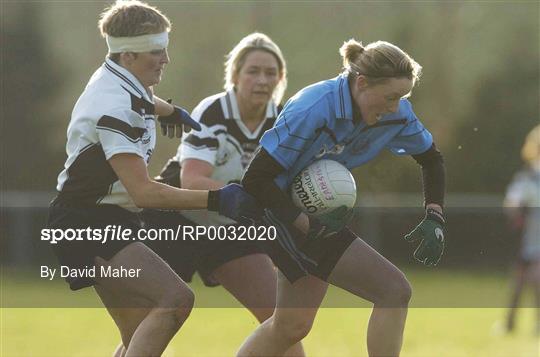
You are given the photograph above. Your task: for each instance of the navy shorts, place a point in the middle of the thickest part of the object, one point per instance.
(81, 253)
(297, 256)
(186, 257)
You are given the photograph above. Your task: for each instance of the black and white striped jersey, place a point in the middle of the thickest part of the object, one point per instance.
(224, 142)
(113, 115)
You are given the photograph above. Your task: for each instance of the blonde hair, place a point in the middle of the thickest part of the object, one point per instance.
(530, 151)
(132, 18)
(378, 61)
(236, 58)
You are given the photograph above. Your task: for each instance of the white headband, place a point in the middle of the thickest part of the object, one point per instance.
(144, 43)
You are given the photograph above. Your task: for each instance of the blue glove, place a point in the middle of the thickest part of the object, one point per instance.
(234, 202)
(173, 122)
(430, 234)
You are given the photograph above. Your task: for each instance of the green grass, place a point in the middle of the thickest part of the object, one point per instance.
(340, 330)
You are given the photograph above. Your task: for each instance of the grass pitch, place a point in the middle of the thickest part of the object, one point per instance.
(339, 330)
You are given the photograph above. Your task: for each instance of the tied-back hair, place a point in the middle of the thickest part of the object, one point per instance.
(378, 61)
(236, 58)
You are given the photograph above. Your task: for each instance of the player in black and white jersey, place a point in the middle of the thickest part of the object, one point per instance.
(232, 125)
(105, 183)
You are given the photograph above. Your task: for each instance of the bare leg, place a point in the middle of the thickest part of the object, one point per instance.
(252, 280)
(362, 271)
(297, 305)
(517, 288)
(120, 350)
(367, 274)
(534, 279)
(149, 309)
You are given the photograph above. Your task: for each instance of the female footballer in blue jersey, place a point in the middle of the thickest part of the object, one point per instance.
(350, 119)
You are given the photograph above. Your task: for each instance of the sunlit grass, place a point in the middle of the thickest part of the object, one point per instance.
(340, 328)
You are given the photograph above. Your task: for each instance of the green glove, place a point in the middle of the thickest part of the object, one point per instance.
(329, 223)
(430, 234)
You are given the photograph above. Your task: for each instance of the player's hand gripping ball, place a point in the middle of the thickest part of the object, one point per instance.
(326, 192)
(430, 234)
(329, 223)
(172, 124)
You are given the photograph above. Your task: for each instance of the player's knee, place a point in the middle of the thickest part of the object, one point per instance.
(293, 331)
(178, 303)
(262, 314)
(171, 318)
(402, 290)
(184, 304)
(398, 292)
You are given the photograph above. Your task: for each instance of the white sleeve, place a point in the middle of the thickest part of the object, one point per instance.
(201, 145)
(121, 131)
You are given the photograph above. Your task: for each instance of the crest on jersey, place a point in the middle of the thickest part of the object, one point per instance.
(334, 150)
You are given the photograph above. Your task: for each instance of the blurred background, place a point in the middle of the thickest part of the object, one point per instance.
(479, 96)
(479, 93)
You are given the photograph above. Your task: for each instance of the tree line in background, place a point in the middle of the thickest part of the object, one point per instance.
(479, 94)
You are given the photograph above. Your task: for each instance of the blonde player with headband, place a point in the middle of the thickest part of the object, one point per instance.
(105, 182)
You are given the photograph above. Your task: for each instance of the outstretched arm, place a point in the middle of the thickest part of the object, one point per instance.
(147, 193)
(231, 201)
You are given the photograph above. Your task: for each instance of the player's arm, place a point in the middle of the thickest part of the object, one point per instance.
(430, 231)
(162, 107)
(259, 181)
(433, 177)
(295, 130)
(196, 175)
(147, 193)
(231, 201)
(414, 139)
(173, 119)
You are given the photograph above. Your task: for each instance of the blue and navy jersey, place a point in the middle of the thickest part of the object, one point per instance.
(317, 123)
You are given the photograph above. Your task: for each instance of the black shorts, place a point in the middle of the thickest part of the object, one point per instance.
(188, 256)
(296, 256)
(81, 253)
